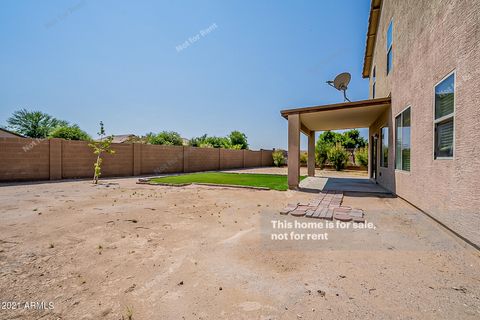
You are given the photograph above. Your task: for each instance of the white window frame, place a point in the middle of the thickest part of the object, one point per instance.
(452, 115)
(395, 140)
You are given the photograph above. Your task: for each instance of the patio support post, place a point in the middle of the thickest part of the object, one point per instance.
(293, 151)
(311, 154)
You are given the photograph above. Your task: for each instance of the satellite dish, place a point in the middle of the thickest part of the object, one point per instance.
(341, 83)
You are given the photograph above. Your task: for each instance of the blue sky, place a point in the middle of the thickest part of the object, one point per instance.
(118, 61)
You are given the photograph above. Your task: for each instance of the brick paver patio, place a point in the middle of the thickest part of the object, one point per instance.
(326, 205)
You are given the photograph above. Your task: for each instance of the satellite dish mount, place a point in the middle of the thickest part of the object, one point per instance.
(341, 83)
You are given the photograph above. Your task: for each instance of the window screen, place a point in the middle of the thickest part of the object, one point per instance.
(402, 140)
(444, 117)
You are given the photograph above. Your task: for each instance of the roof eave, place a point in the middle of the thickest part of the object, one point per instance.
(375, 9)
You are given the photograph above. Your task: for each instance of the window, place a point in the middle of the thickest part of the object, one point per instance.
(402, 140)
(444, 117)
(389, 47)
(374, 82)
(384, 148)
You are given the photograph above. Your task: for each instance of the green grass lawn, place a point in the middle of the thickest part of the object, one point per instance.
(271, 181)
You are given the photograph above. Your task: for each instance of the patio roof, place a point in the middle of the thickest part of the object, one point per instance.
(346, 115)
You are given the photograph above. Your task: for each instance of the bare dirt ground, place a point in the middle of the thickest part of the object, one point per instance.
(202, 252)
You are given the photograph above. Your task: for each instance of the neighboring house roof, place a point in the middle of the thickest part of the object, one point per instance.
(375, 8)
(123, 138)
(4, 133)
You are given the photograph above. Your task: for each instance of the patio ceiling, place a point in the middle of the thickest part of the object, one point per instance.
(347, 115)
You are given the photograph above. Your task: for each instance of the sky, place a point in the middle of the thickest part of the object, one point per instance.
(193, 67)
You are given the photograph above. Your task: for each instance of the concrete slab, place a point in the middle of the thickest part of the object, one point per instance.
(342, 184)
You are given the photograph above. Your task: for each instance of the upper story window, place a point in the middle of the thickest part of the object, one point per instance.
(389, 47)
(402, 140)
(444, 117)
(373, 83)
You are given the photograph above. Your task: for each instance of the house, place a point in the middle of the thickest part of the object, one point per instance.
(125, 138)
(4, 133)
(423, 65)
(185, 141)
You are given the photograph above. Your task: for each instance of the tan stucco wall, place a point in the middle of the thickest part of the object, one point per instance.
(431, 39)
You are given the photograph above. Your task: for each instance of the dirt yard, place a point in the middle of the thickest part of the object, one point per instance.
(153, 252)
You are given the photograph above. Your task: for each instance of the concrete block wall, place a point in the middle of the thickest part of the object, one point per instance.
(267, 159)
(24, 159)
(160, 159)
(54, 159)
(55, 156)
(253, 158)
(120, 163)
(77, 160)
(201, 159)
(231, 159)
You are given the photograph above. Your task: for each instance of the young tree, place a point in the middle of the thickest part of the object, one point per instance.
(33, 124)
(103, 145)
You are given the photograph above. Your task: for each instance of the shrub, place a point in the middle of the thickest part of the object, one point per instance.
(236, 147)
(218, 142)
(321, 156)
(350, 139)
(197, 141)
(235, 140)
(171, 138)
(361, 156)
(67, 132)
(278, 158)
(205, 145)
(303, 158)
(338, 156)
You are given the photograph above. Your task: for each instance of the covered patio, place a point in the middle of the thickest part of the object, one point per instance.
(308, 120)
(343, 184)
